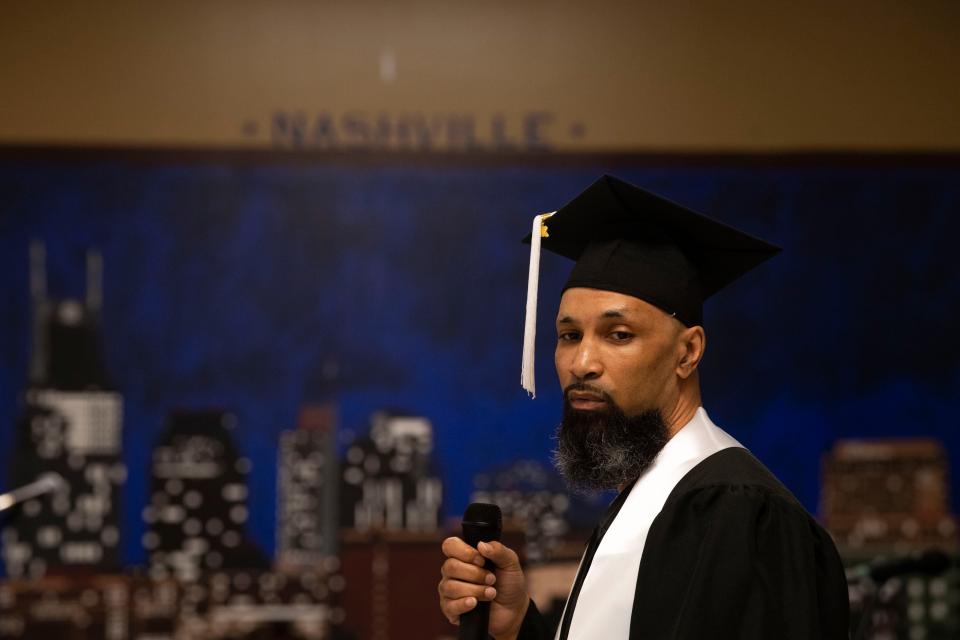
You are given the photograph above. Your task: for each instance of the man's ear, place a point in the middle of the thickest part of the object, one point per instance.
(691, 343)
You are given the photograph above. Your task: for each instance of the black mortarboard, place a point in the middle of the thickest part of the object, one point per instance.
(628, 240)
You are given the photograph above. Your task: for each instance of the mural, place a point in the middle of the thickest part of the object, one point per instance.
(255, 290)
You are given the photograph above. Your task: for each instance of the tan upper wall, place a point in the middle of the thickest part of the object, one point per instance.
(639, 76)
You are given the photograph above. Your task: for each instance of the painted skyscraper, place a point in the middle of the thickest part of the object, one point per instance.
(197, 513)
(307, 489)
(389, 481)
(71, 427)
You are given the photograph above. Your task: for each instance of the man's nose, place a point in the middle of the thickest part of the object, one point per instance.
(586, 365)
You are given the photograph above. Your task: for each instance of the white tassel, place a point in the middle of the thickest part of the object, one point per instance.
(527, 379)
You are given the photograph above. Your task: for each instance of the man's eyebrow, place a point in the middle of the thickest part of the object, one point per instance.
(610, 313)
(613, 313)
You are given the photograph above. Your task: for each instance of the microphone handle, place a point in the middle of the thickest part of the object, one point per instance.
(474, 624)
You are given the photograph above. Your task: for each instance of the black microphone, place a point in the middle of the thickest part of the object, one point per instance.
(929, 563)
(481, 523)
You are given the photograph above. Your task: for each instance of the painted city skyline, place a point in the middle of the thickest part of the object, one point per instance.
(229, 287)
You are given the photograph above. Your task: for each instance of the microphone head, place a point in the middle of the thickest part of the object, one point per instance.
(482, 513)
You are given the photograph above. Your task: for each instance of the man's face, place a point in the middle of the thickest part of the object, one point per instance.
(617, 344)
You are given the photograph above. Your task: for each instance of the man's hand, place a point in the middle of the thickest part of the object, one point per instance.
(465, 582)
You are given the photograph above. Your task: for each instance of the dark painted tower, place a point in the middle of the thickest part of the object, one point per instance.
(389, 480)
(308, 477)
(197, 512)
(71, 427)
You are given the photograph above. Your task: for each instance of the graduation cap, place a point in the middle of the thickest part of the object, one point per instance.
(628, 240)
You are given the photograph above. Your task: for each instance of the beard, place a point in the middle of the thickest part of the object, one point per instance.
(604, 448)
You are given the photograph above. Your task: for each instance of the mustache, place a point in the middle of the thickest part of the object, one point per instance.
(586, 388)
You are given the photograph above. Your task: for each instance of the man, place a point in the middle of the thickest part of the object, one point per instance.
(702, 541)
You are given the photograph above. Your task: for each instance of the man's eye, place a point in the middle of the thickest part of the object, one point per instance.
(568, 336)
(620, 336)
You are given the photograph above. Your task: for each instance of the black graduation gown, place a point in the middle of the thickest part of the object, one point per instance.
(733, 554)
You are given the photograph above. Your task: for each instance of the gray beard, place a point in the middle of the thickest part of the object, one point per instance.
(604, 449)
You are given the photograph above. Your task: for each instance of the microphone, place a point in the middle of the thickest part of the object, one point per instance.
(481, 523)
(46, 483)
(929, 563)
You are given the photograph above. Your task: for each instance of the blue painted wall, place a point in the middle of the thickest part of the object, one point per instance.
(228, 285)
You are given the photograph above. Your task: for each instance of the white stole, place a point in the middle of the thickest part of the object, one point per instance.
(605, 603)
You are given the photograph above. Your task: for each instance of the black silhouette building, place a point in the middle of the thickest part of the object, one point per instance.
(71, 428)
(389, 479)
(197, 511)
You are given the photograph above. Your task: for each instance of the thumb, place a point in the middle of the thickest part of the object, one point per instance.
(503, 557)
